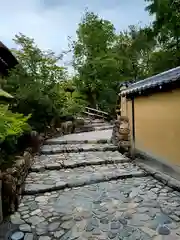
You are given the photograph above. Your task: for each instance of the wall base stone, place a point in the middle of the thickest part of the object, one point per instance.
(12, 179)
(12, 182)
(121, 134)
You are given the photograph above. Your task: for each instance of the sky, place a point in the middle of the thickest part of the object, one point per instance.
(50, 22)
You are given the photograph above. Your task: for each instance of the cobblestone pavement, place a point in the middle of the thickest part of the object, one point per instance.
(71, 160)
(54, 180)
(94, 195)
(136, 208)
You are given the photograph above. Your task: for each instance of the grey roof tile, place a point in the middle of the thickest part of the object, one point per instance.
(157, 80)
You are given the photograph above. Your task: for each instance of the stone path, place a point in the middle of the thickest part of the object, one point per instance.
(72, 160)
(61, 148)
(88, 191)
(59, 179)
(83, 137)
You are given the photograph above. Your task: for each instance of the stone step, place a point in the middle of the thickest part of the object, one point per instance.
(73, 160)
(62, 148)
(99, 128)
(90, 128)
(124, 209)
(86, 137)
(57, 141)
(48, 180)
(96, 124)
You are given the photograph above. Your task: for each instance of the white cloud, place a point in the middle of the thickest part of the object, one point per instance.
(50, 22)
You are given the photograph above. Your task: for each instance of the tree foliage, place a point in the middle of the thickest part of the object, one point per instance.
(35, 84)
(12, 124)
(166, 31)
(12, 127)
(103, 58)
(94, 59)
(42, 93)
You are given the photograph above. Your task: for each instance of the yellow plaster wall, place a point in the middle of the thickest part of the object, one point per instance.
(157, 125)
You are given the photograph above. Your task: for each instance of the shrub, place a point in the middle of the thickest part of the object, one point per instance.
(12, 126)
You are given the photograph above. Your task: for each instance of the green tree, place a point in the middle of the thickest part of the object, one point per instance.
(94, 59)
(134, 48)
(33, 83)
(166, 29)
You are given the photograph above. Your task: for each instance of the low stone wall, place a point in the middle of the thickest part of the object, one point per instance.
(68, 127)
(12, 182)
(121, 134)
(12, 179)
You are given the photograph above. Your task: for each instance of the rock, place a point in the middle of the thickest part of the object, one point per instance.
(58, 234)
(22, 209)
(25, 216)
(123, 221)
(141, 217)
(163, 219)
(89, 227)
(33, 206)
(34, 220)
(35, 212)
(126, 232)
(68, 224)
(115, 225)
(42, 228)
(17, 235)
(25, 228)
(27, 158)
(44, 238)
(163, 230)
(53, 226)
(94, 222)
(67, 217)
(67, 236)
(20, 162)
(41, 199)
(104, 220)
(61, 184)
(149, 231)
(112, 235)
(36, 188)
(28, 236)
(96, 231)
(17, 220)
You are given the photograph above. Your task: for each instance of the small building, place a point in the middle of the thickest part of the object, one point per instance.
(153, 109)
(7, 60)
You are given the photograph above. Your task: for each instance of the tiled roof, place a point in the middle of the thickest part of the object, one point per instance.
(7, 60)
(157, 80)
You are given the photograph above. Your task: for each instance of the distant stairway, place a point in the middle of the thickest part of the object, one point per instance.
(96, 120)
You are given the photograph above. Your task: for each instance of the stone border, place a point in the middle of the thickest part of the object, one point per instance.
(86, 127)
(13, 181)
(55, 166)
(157, 163)
(76, 150)
(80, 183)
(64, 142)
(164, 178)
(121, 134)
